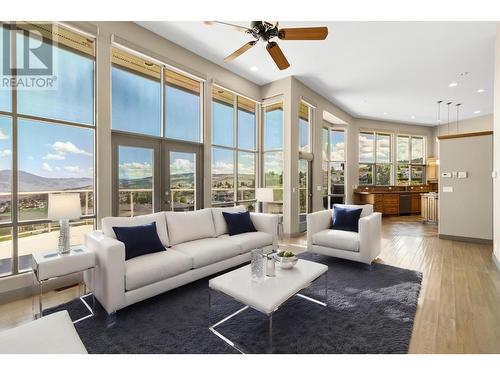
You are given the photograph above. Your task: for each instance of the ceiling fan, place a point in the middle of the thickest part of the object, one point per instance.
(267, 30)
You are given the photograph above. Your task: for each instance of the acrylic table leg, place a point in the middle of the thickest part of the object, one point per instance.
(209, 306)
(40, 293)
(326, 287)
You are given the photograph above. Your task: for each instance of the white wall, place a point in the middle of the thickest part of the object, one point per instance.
(467, 211)
(496, 157)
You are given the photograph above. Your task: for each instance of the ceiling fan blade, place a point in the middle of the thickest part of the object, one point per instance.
(240, 51)
(303, 33)
(277, 55)
(231, 25)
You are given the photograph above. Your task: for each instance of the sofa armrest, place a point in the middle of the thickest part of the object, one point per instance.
(370, 236)
(268, 223)
(316, 222)
(109, 285)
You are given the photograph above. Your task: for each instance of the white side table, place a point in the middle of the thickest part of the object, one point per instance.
(49, 265)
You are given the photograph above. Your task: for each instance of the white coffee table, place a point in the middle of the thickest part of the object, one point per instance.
(267, 295)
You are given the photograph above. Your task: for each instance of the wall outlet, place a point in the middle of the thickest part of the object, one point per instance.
(462, 174)
(318, 188)
(447, 189)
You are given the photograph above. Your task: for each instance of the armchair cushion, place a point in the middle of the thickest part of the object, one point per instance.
(337, 239)
(367, 208)
(346, 218)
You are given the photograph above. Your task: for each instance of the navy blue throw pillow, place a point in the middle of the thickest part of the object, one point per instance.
(346, 218)
(139, 240)
(238, 222)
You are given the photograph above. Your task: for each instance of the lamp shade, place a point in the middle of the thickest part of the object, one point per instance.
(264, 194)
(64, 206)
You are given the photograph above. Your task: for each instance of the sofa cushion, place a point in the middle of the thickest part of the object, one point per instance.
(337, 239)
(251, 240)
(367, 208)
(219, 222)
(52, 334)
(209, 250)
(159, 218)
(139, 240)
(190, 226)
(150, 268)
(238, 222)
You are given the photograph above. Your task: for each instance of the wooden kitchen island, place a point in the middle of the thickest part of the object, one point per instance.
(386, 199)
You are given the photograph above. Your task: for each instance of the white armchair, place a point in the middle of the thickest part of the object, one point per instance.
(363, 246)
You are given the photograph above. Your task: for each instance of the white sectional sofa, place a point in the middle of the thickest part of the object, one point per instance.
(197, 246)
(363, 246)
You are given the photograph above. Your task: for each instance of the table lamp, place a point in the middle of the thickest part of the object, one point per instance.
(64, 207)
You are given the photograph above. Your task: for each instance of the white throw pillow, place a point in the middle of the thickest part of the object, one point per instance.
(159, 218)
(190, 226)
(367, 208)
(219, 221)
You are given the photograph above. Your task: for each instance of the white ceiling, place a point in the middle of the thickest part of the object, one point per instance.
(367, 68)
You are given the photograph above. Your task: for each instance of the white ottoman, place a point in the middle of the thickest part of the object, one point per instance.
(52, 334)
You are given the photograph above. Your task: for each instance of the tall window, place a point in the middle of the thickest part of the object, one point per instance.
(137, 101)
(234, 149)
(411, 160)
(54, 143)
(273, 154)
(375, 158)
(304, 127)
(333, 150)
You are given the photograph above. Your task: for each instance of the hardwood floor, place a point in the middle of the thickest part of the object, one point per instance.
(459, 305)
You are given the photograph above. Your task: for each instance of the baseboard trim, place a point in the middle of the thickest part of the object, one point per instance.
(496, 261)
(466, 239)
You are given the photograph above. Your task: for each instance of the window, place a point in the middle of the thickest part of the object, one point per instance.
(135, 181)
(273, 154)
(234, 149)
(137, 97)
(304, 127)
(136, 94)
(54, 146)
(411, 160)
(333, 141)
(375, 158)
(182, 107)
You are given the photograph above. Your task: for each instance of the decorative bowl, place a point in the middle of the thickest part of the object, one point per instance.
(285, 262)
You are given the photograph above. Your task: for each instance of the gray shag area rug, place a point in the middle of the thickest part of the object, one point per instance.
(370, 310)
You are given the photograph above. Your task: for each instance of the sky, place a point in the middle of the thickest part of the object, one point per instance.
(182, 162)
(5, 143)
(135, 162)
(273, 130)
(52, 150)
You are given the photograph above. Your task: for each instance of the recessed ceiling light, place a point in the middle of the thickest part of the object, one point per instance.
(385, 113)
(476, 112)
(453, 84)
(480, 91)
(254, 68)
(413, 117)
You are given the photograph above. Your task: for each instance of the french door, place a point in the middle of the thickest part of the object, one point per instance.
(305, 192)
(151, 175)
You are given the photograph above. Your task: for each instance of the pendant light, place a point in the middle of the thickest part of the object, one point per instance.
(458, 107)
(448, 104)
(439, 111)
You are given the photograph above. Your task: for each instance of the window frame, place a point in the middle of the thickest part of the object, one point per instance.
(410, 164)
(236, 149)
(331, 128)
(16, 117)
(374, 164)
(273, 150)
